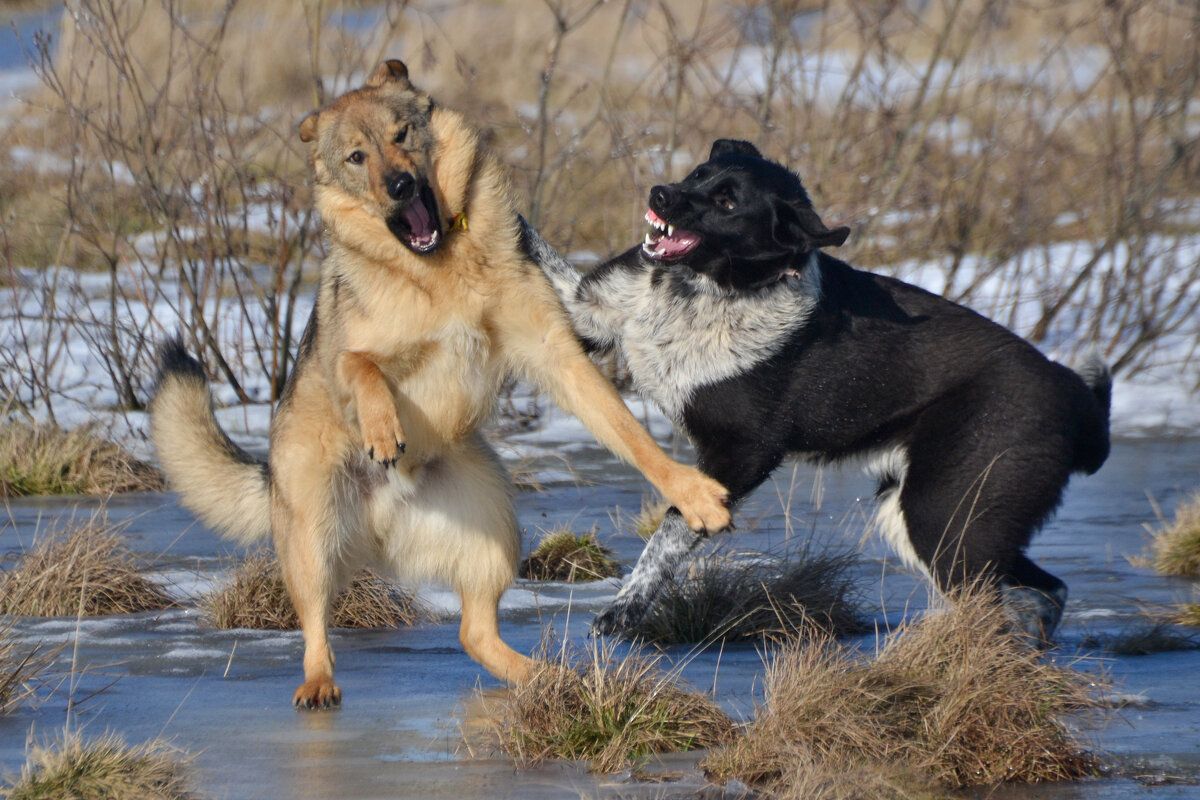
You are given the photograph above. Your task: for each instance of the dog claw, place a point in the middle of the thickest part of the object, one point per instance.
(387, 462)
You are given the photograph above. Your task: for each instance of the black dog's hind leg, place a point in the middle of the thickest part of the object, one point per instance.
(1034, 598)
(970, 515)
(670, 546)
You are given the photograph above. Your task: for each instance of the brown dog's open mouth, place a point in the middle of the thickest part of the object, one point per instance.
(665, 242)
(417, 225)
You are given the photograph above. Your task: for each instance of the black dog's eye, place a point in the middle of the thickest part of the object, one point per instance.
(357, 157)
(726, 202)
(401, 135)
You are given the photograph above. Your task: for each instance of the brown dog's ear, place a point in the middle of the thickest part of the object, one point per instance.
(723, 147)
(308, 127)
(391, 70)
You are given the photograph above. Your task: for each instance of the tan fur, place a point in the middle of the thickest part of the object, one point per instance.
(375, 451)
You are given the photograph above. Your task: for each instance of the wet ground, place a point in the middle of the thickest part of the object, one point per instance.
(409, 694)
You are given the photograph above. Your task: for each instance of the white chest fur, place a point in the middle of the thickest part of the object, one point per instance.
(677, 337)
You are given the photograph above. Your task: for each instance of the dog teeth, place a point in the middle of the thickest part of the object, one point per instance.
(658, 224)
(649, 242)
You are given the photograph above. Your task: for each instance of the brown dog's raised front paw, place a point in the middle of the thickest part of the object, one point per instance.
(317, 695)
(383, 438)
(703, 502)
(387, 456)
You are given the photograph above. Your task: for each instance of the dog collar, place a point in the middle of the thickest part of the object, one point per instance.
(458, 222)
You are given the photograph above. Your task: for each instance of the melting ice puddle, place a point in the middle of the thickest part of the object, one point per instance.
(226, 695)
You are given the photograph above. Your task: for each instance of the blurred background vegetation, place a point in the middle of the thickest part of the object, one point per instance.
(1027, 149)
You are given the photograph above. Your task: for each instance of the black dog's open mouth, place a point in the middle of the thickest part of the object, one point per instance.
(665, 242)
(418, 225)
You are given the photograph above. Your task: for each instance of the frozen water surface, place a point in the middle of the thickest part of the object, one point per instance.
(411, 693)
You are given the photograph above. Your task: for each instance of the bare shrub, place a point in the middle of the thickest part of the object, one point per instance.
(730, 597)
(257, 597)
(1040, 152)
(82, 569)
(38, 459)
(955, 698)
(607, 709)
(1175, 548)
(70, 768)
(562, 555)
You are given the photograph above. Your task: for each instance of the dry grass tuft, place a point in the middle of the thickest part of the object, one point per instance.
(85, 569)
(1175, 549)
(646, 521)
(107, 768)
(562, 555)
(608, 710)
(1188, 614)
(257, 598)
(44, 459)
(1145, 639)
(954, 698)
(21, 667)
(726, 598)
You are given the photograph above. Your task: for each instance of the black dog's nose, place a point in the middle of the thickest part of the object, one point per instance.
(662, 197)
(399, 185)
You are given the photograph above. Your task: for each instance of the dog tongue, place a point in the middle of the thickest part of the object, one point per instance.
(418, 219)
(677, 245)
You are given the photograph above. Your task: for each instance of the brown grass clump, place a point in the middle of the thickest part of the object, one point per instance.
(1175, 549)
(608, 710)
(72, 769)
(728, 599)
(1188, 614)
(85, 569)
(257, 598)
(954, 698)
(562, 555)
(38, 459)
(646, 521)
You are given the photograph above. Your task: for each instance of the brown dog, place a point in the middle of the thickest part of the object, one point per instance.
(425, 305)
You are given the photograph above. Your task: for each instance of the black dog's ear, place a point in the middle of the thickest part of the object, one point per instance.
(724, 147)
(799, 225)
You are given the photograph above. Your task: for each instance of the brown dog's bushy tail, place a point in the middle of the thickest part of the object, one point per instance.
(219, 481)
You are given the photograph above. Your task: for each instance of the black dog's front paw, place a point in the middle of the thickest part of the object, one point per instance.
(619, 618)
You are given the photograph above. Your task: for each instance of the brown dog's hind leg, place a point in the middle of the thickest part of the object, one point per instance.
(480, 637)
(311, 585)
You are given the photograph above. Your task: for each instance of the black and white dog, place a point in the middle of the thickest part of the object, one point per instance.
(759, 345)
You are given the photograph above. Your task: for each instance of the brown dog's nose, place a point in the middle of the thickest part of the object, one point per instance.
(399, 185)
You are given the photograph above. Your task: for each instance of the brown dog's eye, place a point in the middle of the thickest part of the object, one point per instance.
(357, 157)
(401, 135)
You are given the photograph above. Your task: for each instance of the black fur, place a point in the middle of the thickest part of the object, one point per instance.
(983, 431)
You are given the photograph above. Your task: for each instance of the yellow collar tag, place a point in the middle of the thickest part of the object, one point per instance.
(459, 222)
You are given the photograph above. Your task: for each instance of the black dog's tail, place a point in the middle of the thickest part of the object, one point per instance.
(1093, 449)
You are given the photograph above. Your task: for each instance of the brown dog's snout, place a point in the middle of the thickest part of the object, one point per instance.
(400, 185)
